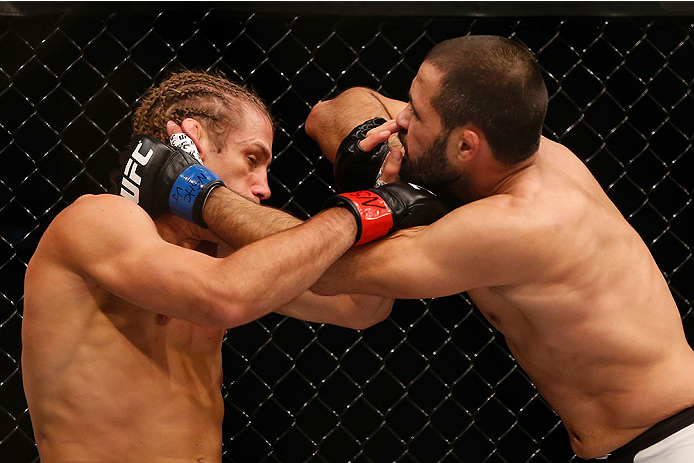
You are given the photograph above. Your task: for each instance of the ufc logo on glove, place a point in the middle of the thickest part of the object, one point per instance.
(168, 179)
(131, 180)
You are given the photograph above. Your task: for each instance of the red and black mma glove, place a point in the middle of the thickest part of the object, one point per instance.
(163, 179)
(356, 169)
(388, 208)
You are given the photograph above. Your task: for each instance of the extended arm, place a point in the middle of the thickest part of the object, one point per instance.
(350, 310)
(377, 211)
(233, 220)
(111, 241)
(477, 245)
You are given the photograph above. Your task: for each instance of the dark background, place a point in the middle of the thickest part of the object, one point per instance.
(434, 382)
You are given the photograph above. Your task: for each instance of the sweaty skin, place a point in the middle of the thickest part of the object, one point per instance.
(550, 262)
(124, 321)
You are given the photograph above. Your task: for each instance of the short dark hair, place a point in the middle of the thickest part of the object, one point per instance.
(495, 84)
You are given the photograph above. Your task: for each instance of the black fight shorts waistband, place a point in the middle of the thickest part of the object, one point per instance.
(658, 432)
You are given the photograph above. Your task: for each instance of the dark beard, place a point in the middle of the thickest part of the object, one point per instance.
(432, 170)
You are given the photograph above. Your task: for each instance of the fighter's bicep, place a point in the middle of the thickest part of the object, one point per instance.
(464, 250)
(116, 245)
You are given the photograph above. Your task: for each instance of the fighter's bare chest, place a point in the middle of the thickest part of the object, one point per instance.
(150, 332)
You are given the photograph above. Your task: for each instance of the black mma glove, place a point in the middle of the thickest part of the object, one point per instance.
(355, 169)
(162, 179)
(394, 206)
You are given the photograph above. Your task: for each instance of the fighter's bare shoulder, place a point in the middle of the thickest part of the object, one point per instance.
(106, 203)
(95, 211)
(92, 221)
(500, 237)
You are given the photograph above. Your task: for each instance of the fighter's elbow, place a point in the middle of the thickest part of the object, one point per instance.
(366, 322)
(234, 314)
(316, 120)
(368, 315)
(382, 312)
(324, 288)
(228, 311)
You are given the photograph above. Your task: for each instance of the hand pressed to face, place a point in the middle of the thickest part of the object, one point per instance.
(243, 160)
(391, 165)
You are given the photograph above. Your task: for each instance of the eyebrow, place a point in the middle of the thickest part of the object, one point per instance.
(267, 156)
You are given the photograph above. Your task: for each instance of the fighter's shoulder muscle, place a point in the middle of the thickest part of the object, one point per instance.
(493, 237)
(93, 212)
(92, 220)
(109, 203)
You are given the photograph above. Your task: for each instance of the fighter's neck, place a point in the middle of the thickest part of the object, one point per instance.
(512, 176)
(492, 179)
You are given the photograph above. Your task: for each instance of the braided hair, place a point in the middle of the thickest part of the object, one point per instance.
(210, 98)
(217, 103)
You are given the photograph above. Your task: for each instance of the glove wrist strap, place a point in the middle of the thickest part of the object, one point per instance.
(190, 191)
(374, 217)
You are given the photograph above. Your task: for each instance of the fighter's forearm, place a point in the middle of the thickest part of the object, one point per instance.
(265, 275)
(239, 222)
(379, 268)
(343, 276)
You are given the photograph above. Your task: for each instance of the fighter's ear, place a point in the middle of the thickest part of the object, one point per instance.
(467, 143)
(193, 129)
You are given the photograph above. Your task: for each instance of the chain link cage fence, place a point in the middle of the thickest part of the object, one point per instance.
(434, 382)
